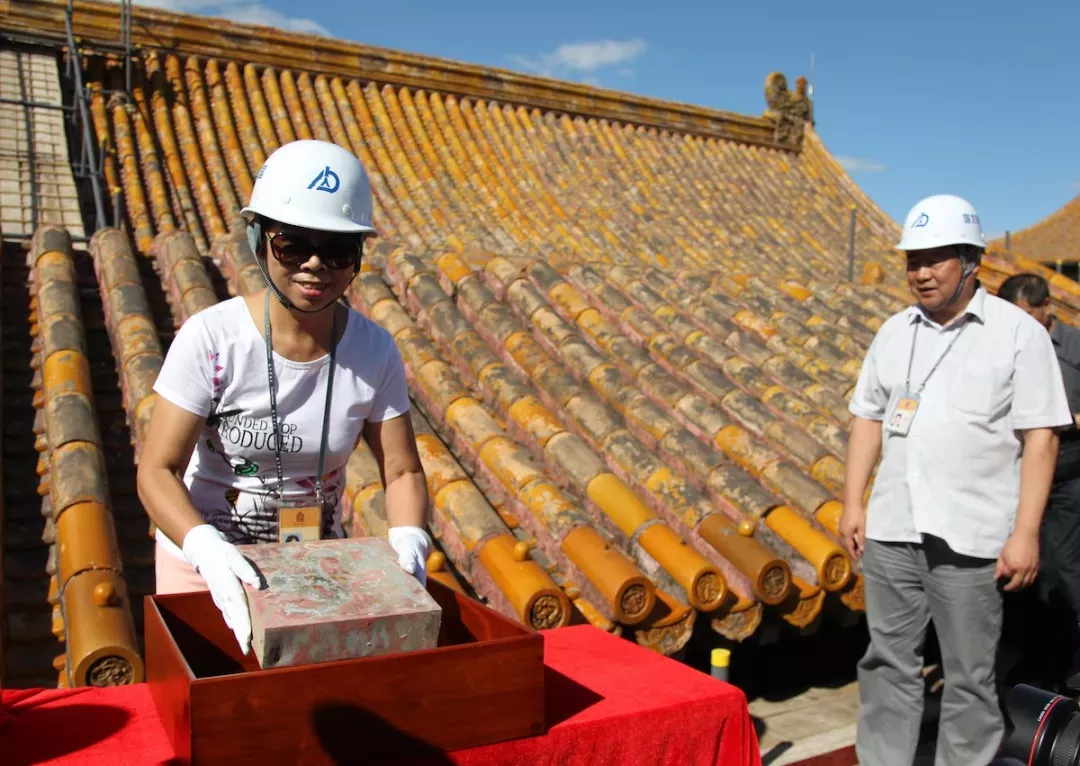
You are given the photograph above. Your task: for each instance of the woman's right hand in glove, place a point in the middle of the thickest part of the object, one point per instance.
(223, 568)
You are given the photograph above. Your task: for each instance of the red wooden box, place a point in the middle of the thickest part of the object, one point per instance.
(483, 683)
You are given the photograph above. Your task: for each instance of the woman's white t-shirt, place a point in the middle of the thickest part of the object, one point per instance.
(216, 368)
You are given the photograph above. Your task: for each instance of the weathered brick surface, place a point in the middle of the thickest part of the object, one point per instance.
(336, 600)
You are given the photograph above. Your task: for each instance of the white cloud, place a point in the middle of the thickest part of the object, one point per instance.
(589, 57)
(859, 165)
(254, 13)
(585, 58)
(242, 12)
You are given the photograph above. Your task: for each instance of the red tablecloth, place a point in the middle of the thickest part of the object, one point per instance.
(609, 701)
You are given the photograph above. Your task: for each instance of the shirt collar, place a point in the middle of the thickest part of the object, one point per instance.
(976, 309)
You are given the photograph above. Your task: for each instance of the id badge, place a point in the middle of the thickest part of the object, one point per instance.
(900, 421)
(299, 524)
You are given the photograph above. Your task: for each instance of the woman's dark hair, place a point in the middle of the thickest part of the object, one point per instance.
(1031, 287)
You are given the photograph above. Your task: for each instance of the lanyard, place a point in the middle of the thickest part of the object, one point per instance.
(911, 357)
(273, 403)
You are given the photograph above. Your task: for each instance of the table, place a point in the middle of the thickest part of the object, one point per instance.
(608, 701)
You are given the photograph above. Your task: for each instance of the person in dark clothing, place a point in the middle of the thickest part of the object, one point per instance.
(1055, 602)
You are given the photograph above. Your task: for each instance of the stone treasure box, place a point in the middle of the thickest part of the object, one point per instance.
(335, 600)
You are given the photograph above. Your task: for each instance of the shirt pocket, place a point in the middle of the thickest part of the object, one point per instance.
(978, 391)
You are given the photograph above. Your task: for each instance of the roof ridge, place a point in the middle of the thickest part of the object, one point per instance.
(96, 25)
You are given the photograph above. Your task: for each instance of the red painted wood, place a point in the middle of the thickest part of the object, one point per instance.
(168, 677)
(484, 683)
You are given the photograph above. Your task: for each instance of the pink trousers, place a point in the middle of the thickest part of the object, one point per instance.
(175, 575)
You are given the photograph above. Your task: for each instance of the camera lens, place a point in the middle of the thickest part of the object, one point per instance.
(1046, 727)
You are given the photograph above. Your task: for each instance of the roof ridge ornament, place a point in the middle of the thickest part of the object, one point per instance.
(788, 111)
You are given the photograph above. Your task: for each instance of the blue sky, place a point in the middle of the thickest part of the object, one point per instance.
(915, 98)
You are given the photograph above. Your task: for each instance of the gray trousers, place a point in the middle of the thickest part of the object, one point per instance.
(907, 585)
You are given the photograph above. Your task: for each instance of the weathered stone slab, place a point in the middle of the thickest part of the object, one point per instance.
(333, 600)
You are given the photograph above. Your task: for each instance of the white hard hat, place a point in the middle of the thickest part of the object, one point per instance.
(314, 185)
(943, 219)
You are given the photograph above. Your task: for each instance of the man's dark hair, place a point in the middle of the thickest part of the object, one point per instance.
(1031, 287)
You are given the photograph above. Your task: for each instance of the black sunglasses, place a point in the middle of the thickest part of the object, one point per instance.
(294, 250)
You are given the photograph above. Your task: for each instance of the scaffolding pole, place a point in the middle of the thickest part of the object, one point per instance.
(34, 104)
(31, 160)
(851, 248)
(125, 41)
(83, 118)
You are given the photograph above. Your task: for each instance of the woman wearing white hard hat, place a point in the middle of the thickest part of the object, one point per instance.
(262, 398)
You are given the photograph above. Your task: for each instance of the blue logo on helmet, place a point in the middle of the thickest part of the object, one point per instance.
(326, 181)
(921, 221)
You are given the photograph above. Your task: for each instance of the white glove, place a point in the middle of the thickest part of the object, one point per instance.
(412, 545)
(222, 566)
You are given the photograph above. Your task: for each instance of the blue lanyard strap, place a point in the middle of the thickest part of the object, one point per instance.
(273, 402)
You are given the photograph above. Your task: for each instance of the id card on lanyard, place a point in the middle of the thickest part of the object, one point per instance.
(306, 523)
(903, 413)
(299, 524)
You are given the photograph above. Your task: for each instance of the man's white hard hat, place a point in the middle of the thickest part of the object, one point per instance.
(942, 219)
(313, 185)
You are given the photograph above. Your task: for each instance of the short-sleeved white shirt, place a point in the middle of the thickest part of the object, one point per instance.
(216, 367)
(956, 475)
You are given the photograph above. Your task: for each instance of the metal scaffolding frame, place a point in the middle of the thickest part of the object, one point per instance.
(89, 166)
(87, 157)
(31, 160)
(125, 41)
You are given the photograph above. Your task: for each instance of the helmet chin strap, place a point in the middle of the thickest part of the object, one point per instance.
(969, 268)
(254, 235)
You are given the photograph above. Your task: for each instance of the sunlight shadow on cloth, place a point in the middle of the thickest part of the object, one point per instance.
(82, 726)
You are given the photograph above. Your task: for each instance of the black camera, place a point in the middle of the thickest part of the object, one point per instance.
(1046, 727)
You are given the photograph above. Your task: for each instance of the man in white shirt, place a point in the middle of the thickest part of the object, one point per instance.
(960, 397)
